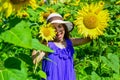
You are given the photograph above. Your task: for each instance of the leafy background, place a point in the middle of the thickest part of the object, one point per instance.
(97, 60)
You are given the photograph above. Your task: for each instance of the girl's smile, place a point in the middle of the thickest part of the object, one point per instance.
(60, 32)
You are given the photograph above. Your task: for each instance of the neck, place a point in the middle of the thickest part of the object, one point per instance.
(60, 41)
(60, 44)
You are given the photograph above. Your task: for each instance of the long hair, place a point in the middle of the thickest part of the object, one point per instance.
(66, 36)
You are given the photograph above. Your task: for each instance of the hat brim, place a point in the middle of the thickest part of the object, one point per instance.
(67, 23)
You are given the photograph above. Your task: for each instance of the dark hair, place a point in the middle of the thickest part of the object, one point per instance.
(66, 36)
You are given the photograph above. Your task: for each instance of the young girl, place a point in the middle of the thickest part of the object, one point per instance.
(61, 67)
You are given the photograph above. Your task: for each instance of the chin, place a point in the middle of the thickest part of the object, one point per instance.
(61, 39)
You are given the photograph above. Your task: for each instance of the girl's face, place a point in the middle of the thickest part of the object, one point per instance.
(60, 31)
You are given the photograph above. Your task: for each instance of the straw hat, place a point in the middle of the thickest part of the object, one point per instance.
(57, 18)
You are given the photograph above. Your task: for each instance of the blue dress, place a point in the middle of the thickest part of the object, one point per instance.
(61, 67)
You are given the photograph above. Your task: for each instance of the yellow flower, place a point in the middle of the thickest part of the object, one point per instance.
(47, 32)
(92, 20)
(9, 6)
(44, 15)
(42, 2)
(23, 14)
(50, 10)
(66, 16)
(53, 1)
(118, 2)
(76, 3)
(41, 18)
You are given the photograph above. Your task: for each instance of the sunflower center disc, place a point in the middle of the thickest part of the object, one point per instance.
(90, 21)
(46, 32)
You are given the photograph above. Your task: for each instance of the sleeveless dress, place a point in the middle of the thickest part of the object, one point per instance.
(60, 66)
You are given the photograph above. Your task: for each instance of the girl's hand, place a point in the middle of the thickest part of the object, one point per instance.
(37, 56)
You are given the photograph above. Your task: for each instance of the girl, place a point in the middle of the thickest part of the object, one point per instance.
(61, 67)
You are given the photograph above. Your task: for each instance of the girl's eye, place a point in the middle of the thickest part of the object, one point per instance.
(60, 26)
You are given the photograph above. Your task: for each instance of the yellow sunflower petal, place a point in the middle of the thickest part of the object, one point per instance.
(47, 32)
(92, 20)
(33, 4)
(15, 6)
(9, 10)
(5, 5)
(41, 18)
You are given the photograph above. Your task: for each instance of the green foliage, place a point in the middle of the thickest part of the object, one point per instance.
(20, 35)
(97, 60)
(38, 46)
(101, 56)
(17, 36)
(112, 62)
(14, 70)
(42, 74)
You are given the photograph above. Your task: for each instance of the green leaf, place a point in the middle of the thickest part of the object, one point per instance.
(106, 61)
(95, 76)
(42, 74)
(94, 64)
(20, 35)
(12, 63)
(111, 61)
(42, 8)
(26, 58)
(12, 73)
(116, 76)
(114, 61)
(109, 36)
(33, 14)
(38, 46)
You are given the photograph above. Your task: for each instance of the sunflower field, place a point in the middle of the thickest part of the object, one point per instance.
(21, 32)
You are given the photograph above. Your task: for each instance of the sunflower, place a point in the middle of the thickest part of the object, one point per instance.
(9, 6)
(92, 20)
(50, 10)
(44, 15)
(66, 16)
(23, 14)
(47, 32)
(41, 17)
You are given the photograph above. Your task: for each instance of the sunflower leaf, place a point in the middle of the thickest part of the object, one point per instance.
(42, 74)
(12, 71)
(20, 35)
(38, 46)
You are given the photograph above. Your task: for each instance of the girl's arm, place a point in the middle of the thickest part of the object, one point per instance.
(37, 56)
(80, 41)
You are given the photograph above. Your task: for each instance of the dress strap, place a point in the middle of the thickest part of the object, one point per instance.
(69, 42)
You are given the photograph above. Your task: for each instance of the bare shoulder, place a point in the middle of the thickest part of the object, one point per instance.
(79, 41)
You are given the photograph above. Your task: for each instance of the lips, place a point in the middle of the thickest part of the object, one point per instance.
(59, 34)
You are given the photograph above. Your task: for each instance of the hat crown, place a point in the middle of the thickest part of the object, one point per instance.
(53, 15)
(57, 18)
